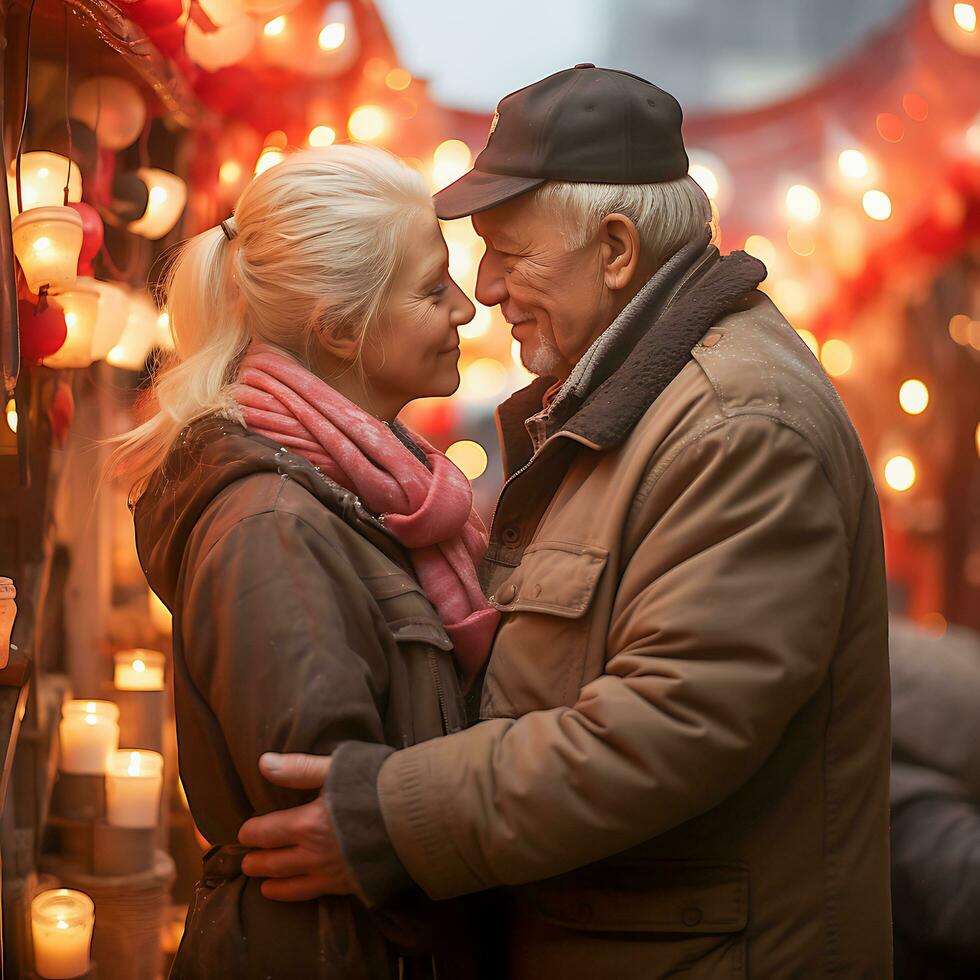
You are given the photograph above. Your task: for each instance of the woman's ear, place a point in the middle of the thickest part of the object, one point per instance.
(620, 249)
(339, 344)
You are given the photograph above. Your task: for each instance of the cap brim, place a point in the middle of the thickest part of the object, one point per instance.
(479, 191)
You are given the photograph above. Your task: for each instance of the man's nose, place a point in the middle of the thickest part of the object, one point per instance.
(491, 289)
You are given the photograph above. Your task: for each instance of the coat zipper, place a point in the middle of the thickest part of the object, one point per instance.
(440, 693)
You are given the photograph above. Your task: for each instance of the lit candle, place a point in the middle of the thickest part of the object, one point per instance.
(134, 781)
(61, 924)
(89, 733)
(139, 670)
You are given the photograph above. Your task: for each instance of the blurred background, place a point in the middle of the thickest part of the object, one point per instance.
(838, 141)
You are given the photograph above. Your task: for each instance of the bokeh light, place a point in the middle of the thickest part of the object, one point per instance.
(837, 357)
(900, 473)
(913, 396)
(367, 123)
(470, 457)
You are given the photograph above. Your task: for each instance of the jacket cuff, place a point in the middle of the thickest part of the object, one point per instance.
(351, 795)
(416, 806)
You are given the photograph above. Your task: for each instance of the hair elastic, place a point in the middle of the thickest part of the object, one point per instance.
(230, 228)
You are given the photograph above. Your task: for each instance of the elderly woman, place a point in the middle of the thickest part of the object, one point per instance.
(318, 558)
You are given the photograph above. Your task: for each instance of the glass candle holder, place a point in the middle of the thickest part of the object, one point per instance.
(134, 781)
(42, 181)
(61, 926)
(47, 242)
(139, 670)
(89, 733)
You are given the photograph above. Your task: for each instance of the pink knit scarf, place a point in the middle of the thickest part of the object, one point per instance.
(428, 509)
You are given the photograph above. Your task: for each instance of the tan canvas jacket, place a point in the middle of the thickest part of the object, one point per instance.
(683, 767)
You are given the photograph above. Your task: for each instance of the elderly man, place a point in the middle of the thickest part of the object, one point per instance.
(682, 762)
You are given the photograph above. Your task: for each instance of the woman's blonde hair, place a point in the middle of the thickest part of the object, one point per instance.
(319, 240)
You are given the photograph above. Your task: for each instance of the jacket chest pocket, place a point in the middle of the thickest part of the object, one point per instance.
(539, 655)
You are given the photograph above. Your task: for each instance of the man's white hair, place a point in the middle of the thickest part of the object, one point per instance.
(667, 216)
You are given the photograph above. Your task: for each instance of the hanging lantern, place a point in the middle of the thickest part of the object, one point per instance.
(167, 195)
(47, 242)
(113, 313)
(139, 335)
(42, 181)
(41, 332)
(225, 46)
(113, 107)
(93, 232)
(80, 305)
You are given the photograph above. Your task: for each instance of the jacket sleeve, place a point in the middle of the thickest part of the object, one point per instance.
(724, 624)
(283, 642)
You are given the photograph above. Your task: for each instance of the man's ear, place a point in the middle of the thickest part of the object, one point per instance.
(619, 243)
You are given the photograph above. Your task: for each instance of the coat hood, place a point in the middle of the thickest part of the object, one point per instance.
(209, 456)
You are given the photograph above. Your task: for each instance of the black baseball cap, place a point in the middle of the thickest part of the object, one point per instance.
(584, 125)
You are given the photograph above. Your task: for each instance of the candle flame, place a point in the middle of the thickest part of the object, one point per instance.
(62, 924)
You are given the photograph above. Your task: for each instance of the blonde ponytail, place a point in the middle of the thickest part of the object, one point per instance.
(319, 241)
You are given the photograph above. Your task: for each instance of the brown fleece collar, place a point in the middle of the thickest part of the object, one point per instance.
(609, 413)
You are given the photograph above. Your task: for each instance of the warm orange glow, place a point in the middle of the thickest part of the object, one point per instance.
(877, 204)
(900, 473)
(837, 357)
(853, 164)
(332, 36)
(398, 79)
(450, 161)
(965, 15)
(915, 106)
(890, 127)
(274, 27)
(322, 136)
(230, 172)
(803, 202)
(269, 157)
(913, 396)
(367, 123)
(810, 339)
(470, 457)
(12, 415)
(761, 248)
(959, 329)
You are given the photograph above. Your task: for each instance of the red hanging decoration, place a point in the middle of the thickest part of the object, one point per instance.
(41, 333)
(93, 232)
(60, 413)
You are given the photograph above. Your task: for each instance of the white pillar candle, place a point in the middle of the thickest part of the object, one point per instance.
(61, 925)
(139, 670)
(89, 732)
(133, 784)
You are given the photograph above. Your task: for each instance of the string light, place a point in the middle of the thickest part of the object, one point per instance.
(367, 123)
(12, 415)
(450, 161)
(761, 248)
(398, 79)
(965, 15)
(322, 136)
(803, 202)
(230, 172)
(853, 164)
(269, 157)
(913, 396)
(470, 457)
(274, 27)
(332, 36)
(810, 339)
(900, 473)
(836, 357)
(959, 329)
(483, 380)
(877, 204)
